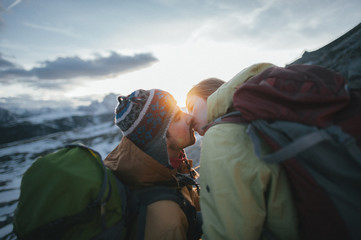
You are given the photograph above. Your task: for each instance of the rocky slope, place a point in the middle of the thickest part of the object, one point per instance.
(342, 55)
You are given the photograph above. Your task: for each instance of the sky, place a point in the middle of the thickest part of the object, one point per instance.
(59, 53)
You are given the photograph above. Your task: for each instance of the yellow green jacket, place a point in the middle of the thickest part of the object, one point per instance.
(241, 196)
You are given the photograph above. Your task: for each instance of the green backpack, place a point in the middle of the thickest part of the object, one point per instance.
(70, 194)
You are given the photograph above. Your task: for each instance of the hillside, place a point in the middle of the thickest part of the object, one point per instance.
(342, 55)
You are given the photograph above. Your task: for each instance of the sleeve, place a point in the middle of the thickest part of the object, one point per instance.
(234, 186)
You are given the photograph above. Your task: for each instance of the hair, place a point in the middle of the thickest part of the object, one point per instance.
(205, 88)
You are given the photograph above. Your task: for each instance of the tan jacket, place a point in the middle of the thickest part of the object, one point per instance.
(241, 195)
(165, 219)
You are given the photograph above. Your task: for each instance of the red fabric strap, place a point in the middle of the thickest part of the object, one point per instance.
(178, 160)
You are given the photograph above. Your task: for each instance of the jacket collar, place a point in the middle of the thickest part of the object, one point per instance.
(134, 167)
(220, 102)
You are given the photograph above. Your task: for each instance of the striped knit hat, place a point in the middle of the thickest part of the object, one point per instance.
(144, 117)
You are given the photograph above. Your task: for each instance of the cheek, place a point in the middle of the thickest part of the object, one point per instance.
(201, 117)
(200, 113)
(180, 132)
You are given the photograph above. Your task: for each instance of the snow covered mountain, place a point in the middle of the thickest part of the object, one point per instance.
(41, 122)
(6, 116)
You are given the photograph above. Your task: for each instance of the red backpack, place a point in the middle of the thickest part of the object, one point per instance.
(306, 94)
(313, 123)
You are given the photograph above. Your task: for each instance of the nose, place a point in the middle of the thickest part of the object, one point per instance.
(189, 118)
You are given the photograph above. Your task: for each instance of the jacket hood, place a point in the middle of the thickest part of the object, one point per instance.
(220, 102)
(136, 168)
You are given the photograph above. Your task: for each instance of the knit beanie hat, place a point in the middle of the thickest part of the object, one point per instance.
(144, 117)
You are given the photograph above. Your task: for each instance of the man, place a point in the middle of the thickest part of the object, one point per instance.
(155, 132)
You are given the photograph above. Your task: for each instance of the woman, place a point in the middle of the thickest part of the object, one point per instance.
(242, 197)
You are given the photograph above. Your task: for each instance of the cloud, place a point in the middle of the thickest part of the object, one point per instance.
(5, 64)
(16, 2)
(277, 23)
(3, 9)
(70, 69)
(64, 31)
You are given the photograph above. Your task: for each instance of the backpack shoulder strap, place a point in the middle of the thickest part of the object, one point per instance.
(297, 146)
(129, 208)
(150, 195)
(232, 117)
(292, 149)
(312, 137)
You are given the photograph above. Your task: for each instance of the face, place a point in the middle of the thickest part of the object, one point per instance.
(197, 107)
(180, 131)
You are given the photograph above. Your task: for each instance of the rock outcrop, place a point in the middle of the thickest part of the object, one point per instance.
(342, 55)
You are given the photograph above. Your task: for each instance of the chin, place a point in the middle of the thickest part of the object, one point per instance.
(201, 133)
(190, 142)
